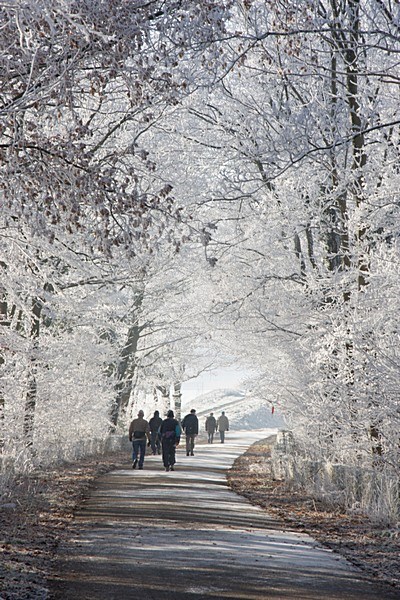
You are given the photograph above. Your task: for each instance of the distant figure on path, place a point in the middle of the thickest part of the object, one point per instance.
(223, 425)
(170, 433)
(211, 427)
(154, 424)
(139, 430)
(190, 425)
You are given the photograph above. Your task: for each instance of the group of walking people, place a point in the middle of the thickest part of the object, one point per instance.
(163, 436)
(212, 425)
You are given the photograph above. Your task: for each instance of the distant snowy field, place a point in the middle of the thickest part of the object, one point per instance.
(243, 411)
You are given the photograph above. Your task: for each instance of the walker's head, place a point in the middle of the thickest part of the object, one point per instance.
(140, 413)
(193, 411)
(170, 413)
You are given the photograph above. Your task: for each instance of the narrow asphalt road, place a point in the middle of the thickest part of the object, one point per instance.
(184, 535)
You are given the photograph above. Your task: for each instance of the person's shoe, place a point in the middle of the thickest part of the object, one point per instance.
(192, 454)
(167, 468)
(140, 468)
(134, 464)
(187, 453)
(172, 468)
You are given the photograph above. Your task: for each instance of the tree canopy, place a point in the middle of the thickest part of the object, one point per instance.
(183, 182)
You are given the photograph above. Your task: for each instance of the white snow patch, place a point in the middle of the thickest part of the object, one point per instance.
(244, 411)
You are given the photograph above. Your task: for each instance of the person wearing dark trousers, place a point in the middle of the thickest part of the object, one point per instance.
(139, 433)
(223, 425)
(190, 426)
(211, 427)
(170, 433)
(154, 425)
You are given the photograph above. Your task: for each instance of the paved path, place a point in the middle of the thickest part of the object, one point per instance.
(184, 535)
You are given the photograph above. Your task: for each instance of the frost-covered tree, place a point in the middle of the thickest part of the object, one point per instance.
(297, 149)
(174, 334)
(172, 180)
(81, 82)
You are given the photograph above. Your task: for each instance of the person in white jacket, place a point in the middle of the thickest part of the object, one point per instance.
(222, 425)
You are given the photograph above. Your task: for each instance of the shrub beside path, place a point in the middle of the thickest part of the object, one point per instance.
(184, 534)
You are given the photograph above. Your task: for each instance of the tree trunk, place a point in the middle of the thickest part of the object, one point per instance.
(31, 395)
(4, 322)
(299, 256)
(126, 367)
(178, 400)
(374, 431)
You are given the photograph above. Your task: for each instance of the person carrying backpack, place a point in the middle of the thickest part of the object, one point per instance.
(190, 425)
(170, 433)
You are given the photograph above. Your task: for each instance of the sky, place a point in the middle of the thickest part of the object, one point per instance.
(213, 380)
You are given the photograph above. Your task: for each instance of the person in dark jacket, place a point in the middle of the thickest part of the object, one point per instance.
(170, 433)
(139, 430)
(154, 425)
(190, 426)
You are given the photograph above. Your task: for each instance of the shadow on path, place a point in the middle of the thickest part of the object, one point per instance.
(184, 535)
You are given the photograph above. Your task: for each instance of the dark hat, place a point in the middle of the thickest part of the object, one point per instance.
(193, 410)
(170, 413)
